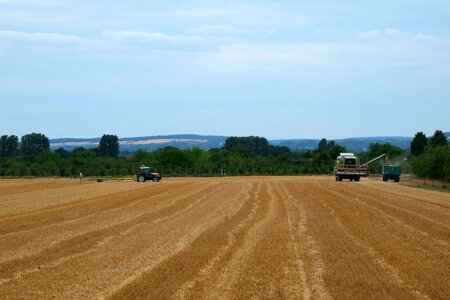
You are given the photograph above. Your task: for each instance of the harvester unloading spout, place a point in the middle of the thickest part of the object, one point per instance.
(375, 159)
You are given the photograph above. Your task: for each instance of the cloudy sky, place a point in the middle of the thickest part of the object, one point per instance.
(287, 69)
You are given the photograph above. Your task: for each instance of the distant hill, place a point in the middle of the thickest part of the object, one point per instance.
(186, 141)
(351, 144)
(151, 143)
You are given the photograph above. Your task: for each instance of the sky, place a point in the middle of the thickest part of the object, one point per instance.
(282, 70)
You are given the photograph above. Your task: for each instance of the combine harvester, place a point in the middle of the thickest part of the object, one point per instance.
(348, 167)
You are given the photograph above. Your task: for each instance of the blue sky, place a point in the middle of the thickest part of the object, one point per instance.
(287, 69)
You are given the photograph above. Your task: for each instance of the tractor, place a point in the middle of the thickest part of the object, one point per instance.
(145, 173)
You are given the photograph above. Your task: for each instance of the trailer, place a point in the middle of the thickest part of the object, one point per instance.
(391, 173)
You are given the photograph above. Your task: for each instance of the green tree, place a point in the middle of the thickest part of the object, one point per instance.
(376, 149)
(438, 139)
(63, 153)
(419, 144)
(323, 145)
(171, 160)
(8, 145)
(33, 144)
(434, 163)
(109, 145)
(255, 145)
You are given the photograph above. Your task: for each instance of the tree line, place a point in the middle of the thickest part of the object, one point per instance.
(31, 156)
(239, 156)
(431, 156)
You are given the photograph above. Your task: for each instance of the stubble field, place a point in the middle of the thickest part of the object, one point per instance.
(223, 238)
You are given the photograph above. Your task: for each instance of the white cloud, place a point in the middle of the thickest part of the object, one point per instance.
(40, 37)
(151, 37)
(424, 37)
(28, 17)
(180, 14)
(220, 30)
(28, 3)
(209, 48)
(324, 59)
(302, 20)
(369, 34)
(393, 33)
(396, 35)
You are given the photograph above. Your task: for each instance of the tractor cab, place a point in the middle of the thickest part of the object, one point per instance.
(145, 170)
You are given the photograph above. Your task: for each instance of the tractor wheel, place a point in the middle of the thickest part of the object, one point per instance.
(357, 178)
(155, 179)
(385, 178)
(339, 178)
(141, 178)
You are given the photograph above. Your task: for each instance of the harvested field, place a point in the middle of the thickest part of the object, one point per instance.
(223, 238)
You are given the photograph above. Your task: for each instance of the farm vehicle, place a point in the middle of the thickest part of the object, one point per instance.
(391, 173)
(145, 173)
(348, 167)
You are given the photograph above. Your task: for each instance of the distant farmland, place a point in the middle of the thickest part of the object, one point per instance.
(185, 141)
(223, 238)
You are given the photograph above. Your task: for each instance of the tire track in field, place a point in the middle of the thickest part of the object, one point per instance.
(106, 268)
(36, 186)
(219, 278)
(67, 211)
(82, 243)
(270, 267)
(74, 210)
(440, 228)
(406, 192)
(350, 273)
(162, 280)
(391, 217)
(67, 230)
(98, 244)
(215, 210)
(314, 265)
(306, 293)
(408, 252)
(233, 238)
(434, 210)
(33, 202)
(209, 275)
(109, 207)
(392, 272)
